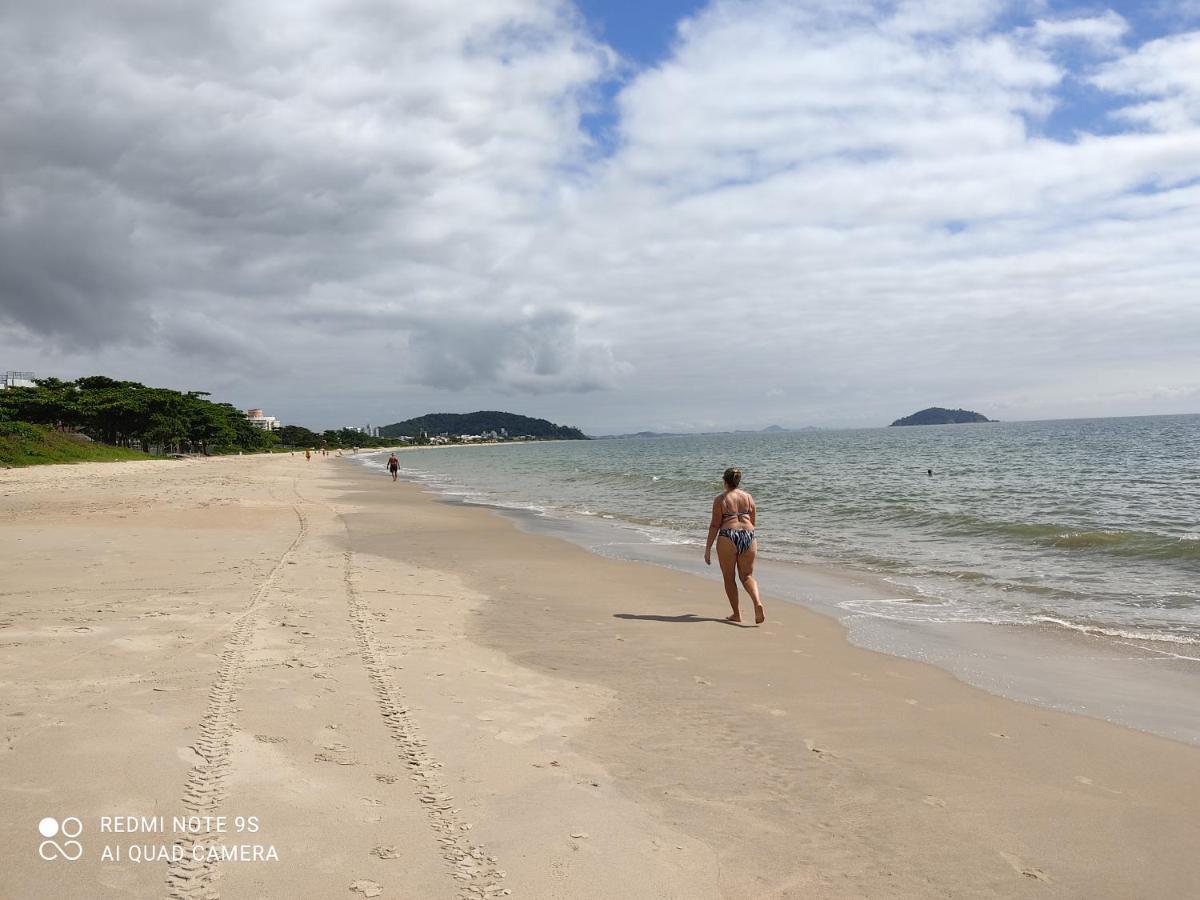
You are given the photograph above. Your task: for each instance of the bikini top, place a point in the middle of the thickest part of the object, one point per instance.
(735, 515)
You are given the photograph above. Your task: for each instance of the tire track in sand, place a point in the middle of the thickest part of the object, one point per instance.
(188, 878)
(477, 873)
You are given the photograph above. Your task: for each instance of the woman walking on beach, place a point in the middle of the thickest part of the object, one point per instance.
(732, 527)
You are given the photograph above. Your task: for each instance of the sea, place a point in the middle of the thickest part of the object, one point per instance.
(1087, 524)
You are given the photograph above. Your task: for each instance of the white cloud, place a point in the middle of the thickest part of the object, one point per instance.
(1167, 73)
(1103, 33)
(846, 206)
(940, 17)
(863, 212)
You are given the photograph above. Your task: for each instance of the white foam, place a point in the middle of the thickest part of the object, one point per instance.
(1131, 634)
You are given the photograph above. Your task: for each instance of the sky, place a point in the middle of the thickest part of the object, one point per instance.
(678, 216)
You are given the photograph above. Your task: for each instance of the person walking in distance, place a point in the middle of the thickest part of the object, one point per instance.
(732, 528)
(393, 466)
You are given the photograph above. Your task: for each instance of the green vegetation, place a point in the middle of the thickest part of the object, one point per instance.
(130, 415)
(22, 444)
(505, 425)
(936, 415)
(99, 418)
(299, 437)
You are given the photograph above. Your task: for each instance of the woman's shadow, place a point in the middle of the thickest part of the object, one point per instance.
(686, 617)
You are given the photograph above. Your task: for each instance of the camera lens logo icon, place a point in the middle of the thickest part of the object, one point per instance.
(70, 828)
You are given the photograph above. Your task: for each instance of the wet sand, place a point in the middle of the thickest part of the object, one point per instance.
(461, 709)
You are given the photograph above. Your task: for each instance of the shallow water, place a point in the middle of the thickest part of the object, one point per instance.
(1086, 524)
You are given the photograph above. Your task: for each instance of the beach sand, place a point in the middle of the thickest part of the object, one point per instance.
(461, 709)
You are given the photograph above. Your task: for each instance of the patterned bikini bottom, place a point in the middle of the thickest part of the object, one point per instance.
(741, 539)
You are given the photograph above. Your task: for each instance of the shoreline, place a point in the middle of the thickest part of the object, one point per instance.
(1113, 678)
(417, 698)
(689, 703)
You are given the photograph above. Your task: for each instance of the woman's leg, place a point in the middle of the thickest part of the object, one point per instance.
(745, 568)
(727, 555)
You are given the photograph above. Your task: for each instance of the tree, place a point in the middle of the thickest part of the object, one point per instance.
(297, 436)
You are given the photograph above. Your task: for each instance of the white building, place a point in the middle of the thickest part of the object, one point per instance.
(267, 423)
(17, 379)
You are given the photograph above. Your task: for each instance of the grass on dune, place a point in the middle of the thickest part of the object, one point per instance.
(22, 444)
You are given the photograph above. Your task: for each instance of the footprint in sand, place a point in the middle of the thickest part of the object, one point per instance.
(1000, 735)
(189, 755)
(366, 888)
(1028, 871)
(336, 753)
(935, 802)
(699, 680)
(821, 752)
(910, 701)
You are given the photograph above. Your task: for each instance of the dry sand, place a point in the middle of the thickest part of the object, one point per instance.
(460, 709)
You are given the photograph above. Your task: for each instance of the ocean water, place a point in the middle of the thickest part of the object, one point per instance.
(1085, 524)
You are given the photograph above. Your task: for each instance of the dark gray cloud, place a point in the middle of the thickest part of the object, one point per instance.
(69, 267)
(184, 174)
(538, 352)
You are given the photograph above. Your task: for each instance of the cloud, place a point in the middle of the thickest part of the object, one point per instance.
(939, 17)
(1103, 33)
(534, 351)
(821, 88)
(825, 212)
(69, 266)
(864, 207)
(182, 167)
(1167, 72)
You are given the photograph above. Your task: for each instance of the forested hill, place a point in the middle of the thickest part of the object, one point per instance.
(935, 415)
(484, 421)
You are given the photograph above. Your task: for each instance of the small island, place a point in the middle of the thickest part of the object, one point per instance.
(935, 415)
(485, 423)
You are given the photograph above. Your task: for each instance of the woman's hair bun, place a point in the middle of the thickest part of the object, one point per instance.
(733, 477)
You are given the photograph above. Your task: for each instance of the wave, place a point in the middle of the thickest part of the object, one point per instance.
(1051, 535)
(941, 610)
(1132, 634)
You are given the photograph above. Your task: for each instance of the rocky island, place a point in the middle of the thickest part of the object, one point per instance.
(935, 415)
(509, 425)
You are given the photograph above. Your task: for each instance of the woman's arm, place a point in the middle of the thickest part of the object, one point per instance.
(714, 525)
